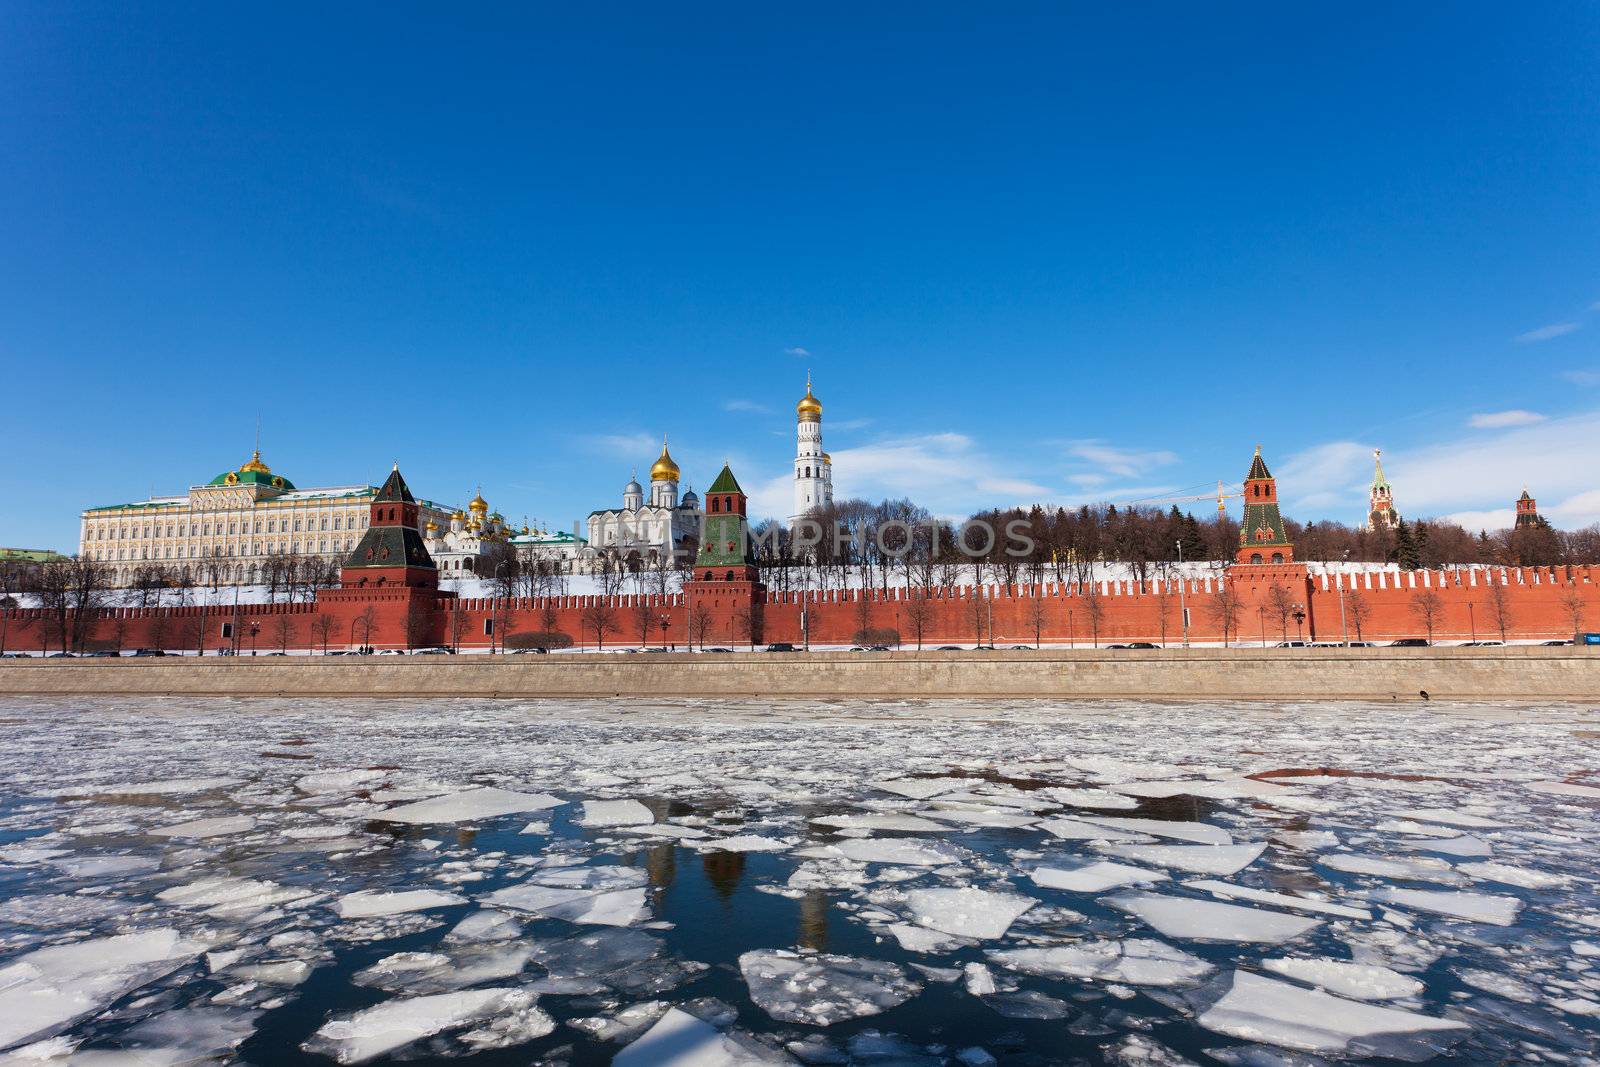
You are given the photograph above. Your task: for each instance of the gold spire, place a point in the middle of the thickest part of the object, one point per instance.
(478, 504)
(810, 408)
(664, 470)
(255, 464)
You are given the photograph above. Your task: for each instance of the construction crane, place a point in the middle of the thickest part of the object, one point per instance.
(1221, 496)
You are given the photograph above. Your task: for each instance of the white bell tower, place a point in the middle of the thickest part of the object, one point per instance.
(813, 469)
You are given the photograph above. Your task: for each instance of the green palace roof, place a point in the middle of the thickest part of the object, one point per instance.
(254, 472)
(725, 482)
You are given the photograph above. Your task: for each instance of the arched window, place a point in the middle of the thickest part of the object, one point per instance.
(1255, 557)
(1277, 557)
(728, 577)
(716, 504)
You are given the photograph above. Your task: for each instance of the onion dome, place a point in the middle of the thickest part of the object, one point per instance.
(665, 470)
(827, 459)
(633, 486)
(810, 408)
(432, 527)
(690, 500)
(478, 505)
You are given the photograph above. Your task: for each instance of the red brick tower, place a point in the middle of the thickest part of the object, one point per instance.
(725, 592)
(391, 552)
(389, 588)
(1527, 510)
(1261, 535)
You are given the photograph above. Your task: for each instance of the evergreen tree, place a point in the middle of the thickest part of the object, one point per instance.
(1405, 548)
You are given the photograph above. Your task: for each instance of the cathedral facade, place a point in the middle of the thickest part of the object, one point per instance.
(647, 530)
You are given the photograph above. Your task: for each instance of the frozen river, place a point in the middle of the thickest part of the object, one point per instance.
(563, 882)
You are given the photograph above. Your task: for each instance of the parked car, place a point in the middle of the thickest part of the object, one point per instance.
(1490, 644)
(437, 650)
(15, 655)
(983, 648)
(1362, 644)
(1552, 642)
(530, 651)
(63, 655)
(878, 648)
(781, 646)
(275, 654)
(149, 652)
(104, 653)
(948, 648)
(1409, 642)
(1113, 646)
(1143, 644)
(1291, 644)
(716, 650)
(1023, 648)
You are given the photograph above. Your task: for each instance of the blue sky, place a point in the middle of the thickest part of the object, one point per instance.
(1056, 252)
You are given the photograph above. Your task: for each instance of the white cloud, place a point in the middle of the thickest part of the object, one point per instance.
(1493, 519)
(797, 352)
(1582, 377)
(1473, 477)
(1123, 462)
(1499, 420)
(947, 473)
(636, 447)
(1546, 333)
(746, 405)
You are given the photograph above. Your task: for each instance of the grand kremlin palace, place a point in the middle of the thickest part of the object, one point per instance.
(223, 531)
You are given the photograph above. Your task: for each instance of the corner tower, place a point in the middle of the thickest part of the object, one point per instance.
(1528, 510)
(391, 552)
(813, 468)
(1261, 535)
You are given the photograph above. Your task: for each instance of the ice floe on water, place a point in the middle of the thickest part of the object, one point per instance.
(723, 882)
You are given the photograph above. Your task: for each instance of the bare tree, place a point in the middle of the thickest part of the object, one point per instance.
(363, 624)
(1499, 606)
(1036, 614)
(644, 620)
(504, 621)
(322, 630)
(281, 630)
(1094, 607)
(918, 612)
(1573, 604)
(699, 624)
(747, 622)
(458, 625)
(1427, 606)
(1357, 610)
(863, 612)
(976, 608)
(1224, 609)
(73, 591)
(1281, 605)
(599, 618)
(157, 629)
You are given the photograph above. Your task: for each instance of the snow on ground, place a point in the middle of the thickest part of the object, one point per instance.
(703, 882)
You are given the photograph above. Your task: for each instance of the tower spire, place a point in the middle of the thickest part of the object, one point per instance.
(1261, 536)
(1381, 514)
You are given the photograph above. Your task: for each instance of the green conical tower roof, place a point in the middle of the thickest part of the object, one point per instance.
(1258, 468)
(725, 482)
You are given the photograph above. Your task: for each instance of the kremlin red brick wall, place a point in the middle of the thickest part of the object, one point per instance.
(1536, 607)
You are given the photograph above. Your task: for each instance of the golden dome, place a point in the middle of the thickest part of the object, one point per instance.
(432, 526)
(457, 516)
(827, 459)
(665, 470)
(478, 504)
(255, 464)
(810, 408)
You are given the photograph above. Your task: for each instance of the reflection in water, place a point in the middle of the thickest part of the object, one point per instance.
(814, 920)
(661, 864)
(723, 871)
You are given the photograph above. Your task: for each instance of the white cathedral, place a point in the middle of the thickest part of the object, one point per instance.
(647, 532)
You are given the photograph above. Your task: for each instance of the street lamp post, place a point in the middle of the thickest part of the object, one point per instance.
(1183, 606)
(666, 621)
(1339, 581)
(255, 628)
(1299, 617)
(1261, 615)
(1072, 640)
(1473, 619)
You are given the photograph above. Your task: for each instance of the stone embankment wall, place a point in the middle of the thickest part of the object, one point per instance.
(1196, 675)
